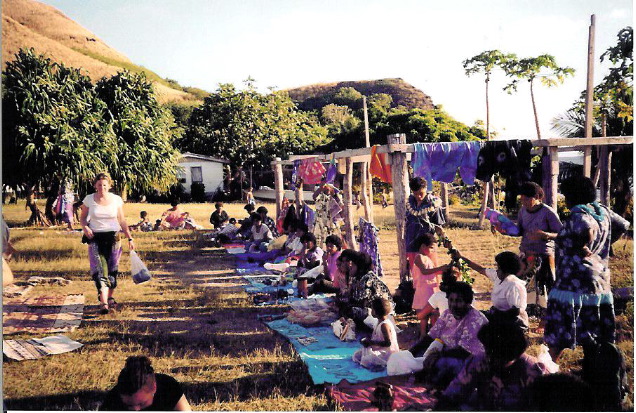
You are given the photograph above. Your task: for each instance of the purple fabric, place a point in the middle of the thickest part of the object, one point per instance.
(439, 161)
(294, 175)
(332, 171)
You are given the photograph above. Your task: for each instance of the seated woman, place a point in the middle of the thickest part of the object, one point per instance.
(500, 378)
(311, 255)
(383, 341)
(438, 302)
(140, 388)
(331, 280)
(364, 287)
(509, 296)
(454, 337)
(172, 218)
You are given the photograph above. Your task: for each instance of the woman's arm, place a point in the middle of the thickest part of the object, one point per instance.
(472, 264)
(84, 222)
(124, 227)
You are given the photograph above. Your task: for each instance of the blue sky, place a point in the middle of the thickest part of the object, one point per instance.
(290, 43)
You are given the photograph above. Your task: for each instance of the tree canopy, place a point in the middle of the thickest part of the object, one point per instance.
(58, 126)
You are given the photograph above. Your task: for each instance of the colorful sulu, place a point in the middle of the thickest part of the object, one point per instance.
(502, 223)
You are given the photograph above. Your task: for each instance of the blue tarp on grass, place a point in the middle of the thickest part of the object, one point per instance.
(327, 358)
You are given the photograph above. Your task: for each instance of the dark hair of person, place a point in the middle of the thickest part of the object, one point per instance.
(262, 210)
(308, 237)
(256, 217)
(348, 254)
(103, 175)
(232, 220)
(506, 341)
(302, 226)
(335, 240)
(532, 190)
(136, 374)
(448, 278)
(381, 306)
(578, 190)
(249, 208)
(463, 289)
(143, 214)
(363, 262)
(174, 203)
(218, 205)
(417, 183)
(425, 239)
(508, 262)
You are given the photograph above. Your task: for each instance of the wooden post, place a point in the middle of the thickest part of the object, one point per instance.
(605, 167)
(444, 196)
(348, 208)
(484, 202)
(278, 184)
(364, 190)
(551, 175)
(589, 98)
(399, 176)
(370, 188)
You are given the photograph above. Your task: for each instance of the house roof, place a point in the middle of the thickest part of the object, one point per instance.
(202, 157)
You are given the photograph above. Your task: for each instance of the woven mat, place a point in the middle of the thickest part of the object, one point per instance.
(43, 314)
(38, 347)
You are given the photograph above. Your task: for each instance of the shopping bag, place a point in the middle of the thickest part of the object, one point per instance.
(140, 273)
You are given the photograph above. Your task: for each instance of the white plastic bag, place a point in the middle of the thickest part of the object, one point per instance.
(403, 362)
(140, 273)
(345, 330)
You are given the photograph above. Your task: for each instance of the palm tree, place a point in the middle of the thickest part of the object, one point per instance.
(530, 69)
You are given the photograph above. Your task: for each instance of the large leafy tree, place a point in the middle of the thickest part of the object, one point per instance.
(249, 128)
(544, 68)
(53, 127)
(146, 158)
(613, 109)
(486, 62)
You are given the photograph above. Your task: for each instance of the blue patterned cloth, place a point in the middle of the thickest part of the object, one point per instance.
(439, 161)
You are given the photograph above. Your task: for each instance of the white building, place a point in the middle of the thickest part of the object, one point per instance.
(201, 168)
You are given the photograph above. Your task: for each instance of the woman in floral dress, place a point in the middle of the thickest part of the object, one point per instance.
(580, 306)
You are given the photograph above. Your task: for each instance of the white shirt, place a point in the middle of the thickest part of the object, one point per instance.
(507, 293)
(103, 218)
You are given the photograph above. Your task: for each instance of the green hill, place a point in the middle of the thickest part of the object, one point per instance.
(316, 96)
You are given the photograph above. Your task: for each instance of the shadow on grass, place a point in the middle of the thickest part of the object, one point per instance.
(84, 400)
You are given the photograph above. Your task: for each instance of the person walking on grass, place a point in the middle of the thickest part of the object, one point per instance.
(140, 388)
(102, 218)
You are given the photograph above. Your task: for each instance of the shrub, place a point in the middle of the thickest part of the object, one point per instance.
(197, 190)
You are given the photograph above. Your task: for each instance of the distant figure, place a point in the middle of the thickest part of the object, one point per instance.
(219, 217)
(249, 196)
(172, 218)
(143, 225)
(140, 388)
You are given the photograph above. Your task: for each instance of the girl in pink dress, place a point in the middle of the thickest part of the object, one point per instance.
(426, 277)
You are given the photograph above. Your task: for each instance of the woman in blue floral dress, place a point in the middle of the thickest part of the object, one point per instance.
(580, 306)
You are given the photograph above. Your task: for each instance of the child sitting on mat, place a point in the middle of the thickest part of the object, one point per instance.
(383, 341)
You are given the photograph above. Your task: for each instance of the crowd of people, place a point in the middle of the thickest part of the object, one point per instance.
(471, 359)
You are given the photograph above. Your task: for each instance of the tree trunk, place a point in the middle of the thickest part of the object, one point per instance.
(534, 109)
(37, 217)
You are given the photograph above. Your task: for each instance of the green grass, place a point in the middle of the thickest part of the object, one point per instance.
(207, 338)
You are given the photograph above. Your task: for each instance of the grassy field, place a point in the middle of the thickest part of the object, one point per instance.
(205, 334)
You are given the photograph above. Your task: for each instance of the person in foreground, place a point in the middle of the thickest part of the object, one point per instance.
(102, 219)
(581, 306)
(140, 388)
(453, 338)
(498, 379)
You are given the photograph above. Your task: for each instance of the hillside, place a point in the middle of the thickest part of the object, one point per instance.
(28, 23)
(318, 95)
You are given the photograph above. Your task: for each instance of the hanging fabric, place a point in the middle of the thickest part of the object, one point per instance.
(511, 159)
(332, 171)
(369, 242)
(295, 176)
(311, 171)
(325, 223)
(439, 161)
(308, 216)
(379, 166)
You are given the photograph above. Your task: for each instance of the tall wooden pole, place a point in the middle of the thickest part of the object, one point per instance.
(550, 179)
(589, 98)
(366, 183)
(605, 168)
(348, 208)
(400, 178)
(278, 184)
